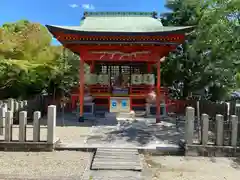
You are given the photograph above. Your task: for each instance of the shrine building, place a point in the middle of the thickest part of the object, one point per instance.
(122, 49)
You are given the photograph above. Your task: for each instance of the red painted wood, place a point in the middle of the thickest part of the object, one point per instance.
(164, 38)
(92, 66)
(141, 89)
(81, 88)
(97, 88)
(158, 110)
(140, 92)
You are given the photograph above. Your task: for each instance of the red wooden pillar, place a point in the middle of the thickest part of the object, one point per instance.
(158, 99)
(92, 67)
(81, 90)
(149, 68)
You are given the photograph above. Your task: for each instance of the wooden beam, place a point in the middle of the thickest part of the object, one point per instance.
(81, 89)
(158, 98)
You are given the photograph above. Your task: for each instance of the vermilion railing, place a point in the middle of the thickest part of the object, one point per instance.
(99, 88)
(141, 89)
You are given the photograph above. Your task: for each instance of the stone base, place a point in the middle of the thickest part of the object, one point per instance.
(121, 115)
(110, 115)
(211, 150)
(27, 146)
(126, 115)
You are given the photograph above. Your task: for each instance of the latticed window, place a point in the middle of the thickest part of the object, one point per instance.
(114, 73)
(125, 69)
(126, 74)
(114, 70)
(104, 69)
(138, 69)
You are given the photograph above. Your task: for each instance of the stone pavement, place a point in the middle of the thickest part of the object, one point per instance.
(134, 134)
(108, 132)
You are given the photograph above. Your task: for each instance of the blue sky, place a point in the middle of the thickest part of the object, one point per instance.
(69, 12)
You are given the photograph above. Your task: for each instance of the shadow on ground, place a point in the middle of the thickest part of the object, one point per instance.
(236, 163)
(70, 119)
(138, 133)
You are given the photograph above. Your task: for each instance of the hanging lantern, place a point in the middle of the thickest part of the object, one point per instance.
(137, 79)
(103, 79)
(148, 79)
(91, 79)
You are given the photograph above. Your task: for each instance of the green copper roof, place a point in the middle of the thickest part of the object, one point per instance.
(132, 22)
(149, 14)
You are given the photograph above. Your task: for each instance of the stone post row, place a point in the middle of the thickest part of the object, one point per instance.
(6, 120)
(189, 128)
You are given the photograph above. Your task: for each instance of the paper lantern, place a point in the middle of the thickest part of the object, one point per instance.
(91, 79)
(136, 79)
(103, 79)
(148, 79)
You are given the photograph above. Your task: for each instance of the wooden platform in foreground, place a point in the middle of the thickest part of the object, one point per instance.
(116, 159)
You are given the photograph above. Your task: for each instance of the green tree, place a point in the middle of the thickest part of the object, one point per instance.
(27, 59)
(210, 54)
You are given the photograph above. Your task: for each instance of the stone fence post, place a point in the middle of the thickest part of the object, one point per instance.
(2, 119)
(22, 126)
(16, 107)
(25, 103)
(189, 125)
(234, 121)
(205, 127)
(5, 107)
(10, 104)
(237, 113)
(219, 121)
(51, 124)
(36, 126)
(8, 126)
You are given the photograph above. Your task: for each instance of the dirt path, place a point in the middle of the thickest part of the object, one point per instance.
(188, 168)
(43, 165)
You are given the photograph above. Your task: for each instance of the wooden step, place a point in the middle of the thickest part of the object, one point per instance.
(116, 159)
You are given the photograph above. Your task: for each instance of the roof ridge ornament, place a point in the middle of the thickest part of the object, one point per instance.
(120, 13)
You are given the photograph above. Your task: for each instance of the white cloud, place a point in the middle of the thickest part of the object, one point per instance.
(88, 6)
(73, 5)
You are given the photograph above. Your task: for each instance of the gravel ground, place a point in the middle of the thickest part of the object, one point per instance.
(43, 165)
(66, 134)
(73, 131)
(188, 168)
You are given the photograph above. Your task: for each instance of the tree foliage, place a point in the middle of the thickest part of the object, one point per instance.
(210, 55)
(209, 59)
(30, 64)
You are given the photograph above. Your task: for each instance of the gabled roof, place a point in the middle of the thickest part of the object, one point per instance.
(120, 22)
